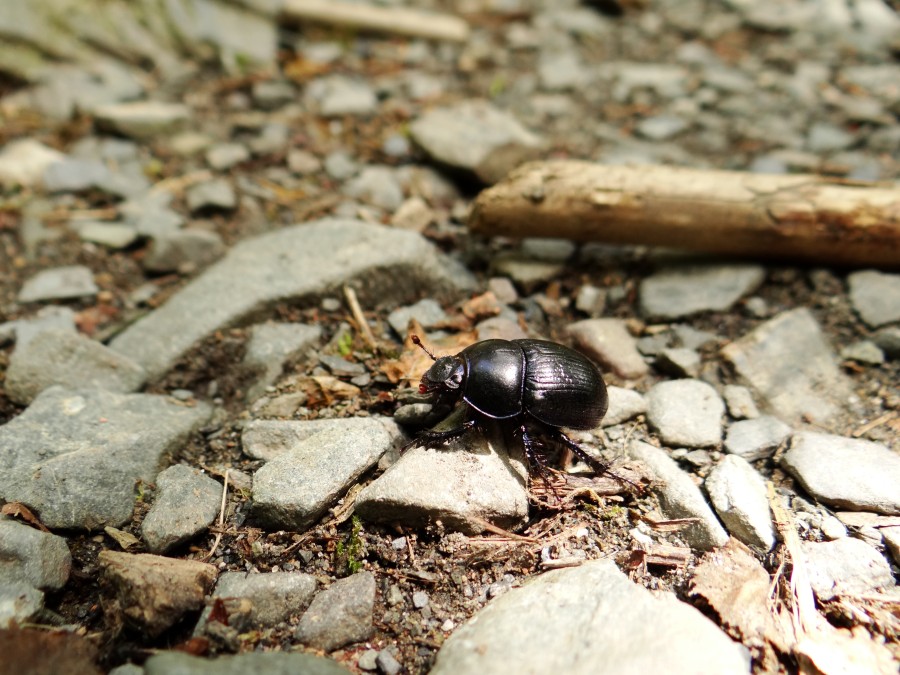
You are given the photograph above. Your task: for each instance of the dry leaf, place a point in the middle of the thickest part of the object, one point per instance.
(19, 510)
(413, 361)
(124, 539)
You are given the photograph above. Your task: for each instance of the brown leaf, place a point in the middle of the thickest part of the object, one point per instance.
(19, 510)
(124, 539)
(413, 361)
(218, 612)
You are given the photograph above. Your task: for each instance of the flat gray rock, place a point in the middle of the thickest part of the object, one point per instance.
(51, 317)
(789, 364)
(291, 263)
(69, 359)
(756, 438)
(59, 283)
(875, 296)
(270, 346)
(187, 502)
(339, 615)
(269, 663)
(475, 136)
(183, 250)
(560, 622)
(142, 120)
(684, 290)
(296, 487)
(19, 602)
(213, 195)
(24, 161)
(462, 484)
(624, 404)
(739, 401)
(74, 456)
(426, 311)
(845, 565)
(680, 497)
(609, 343)
(111, 235)
(738, 494)
(39, 559)
(685, 413)
(846, 473)
(274, 596)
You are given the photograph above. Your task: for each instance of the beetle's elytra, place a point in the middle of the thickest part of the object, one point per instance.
(525, 381)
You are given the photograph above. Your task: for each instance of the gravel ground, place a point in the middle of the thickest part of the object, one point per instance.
(214, 234)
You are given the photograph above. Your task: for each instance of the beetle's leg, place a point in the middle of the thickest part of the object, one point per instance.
(431, 438)
(535, 458)
(598, 466)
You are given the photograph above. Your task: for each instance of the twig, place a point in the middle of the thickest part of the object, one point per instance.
(221, 519)
(356, 310)
(877, 422)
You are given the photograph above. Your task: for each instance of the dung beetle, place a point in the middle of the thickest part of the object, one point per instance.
(531, 383)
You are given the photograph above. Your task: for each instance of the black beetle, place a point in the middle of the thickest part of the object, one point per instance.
(529, 382)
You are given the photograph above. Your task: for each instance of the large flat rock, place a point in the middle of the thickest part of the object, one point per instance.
(593, 620)
(74, 457)
(295, 263)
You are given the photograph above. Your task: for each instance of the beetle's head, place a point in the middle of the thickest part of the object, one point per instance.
(444, 377)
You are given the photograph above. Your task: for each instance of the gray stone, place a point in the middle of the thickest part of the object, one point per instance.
(271, 94)
(846, 473)
(477, 137)
(293, 262)
(527, 272)
(142, 120)
(274, 596)
(738, 494)
(624, 404)
(213, 195)
(226, 155)
(559, 622)
(339, 615)
(70, 359)
(679, 362)
(19, 602)
(27, 555)
(558, 71)
(461, 484)
(427, 312)
(875, 296)
(739, 401)
(59, 283)
(680, 497)
(888, 340)
(296, 487)
(387, 663)
(684, 290)
(75, 175)
(756, 438)
(338, 95)
(686, 413)
(49, 318)
(270, 346)
(186, 503)
(340, 166)
(661, 127)
(183, 250)
(111, 235)
(825, 137)
(789, 364)
(303, 162)
(76, 472)
(608, 342)
(378, 186)
(689, 337)
(845, 566)
(25, 162)
(269, 663)
(864, 351)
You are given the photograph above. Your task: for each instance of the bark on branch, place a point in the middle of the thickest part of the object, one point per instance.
(807, 218)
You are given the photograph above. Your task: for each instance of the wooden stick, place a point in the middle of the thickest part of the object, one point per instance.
(392, 20)
(807, 218)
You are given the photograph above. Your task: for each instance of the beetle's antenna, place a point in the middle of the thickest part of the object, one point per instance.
(417, 341)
